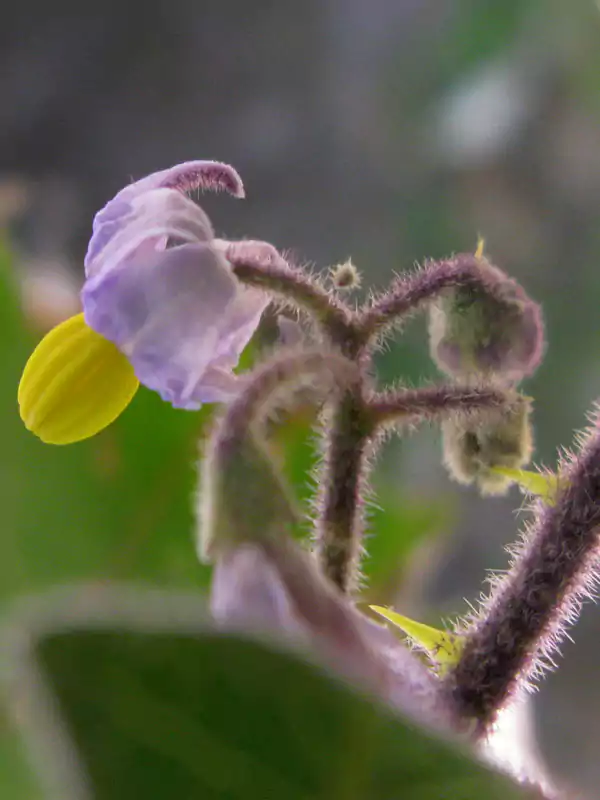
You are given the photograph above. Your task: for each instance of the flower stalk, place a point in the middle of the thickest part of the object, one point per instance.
(485, 323)
(434, 403)
(260, 265)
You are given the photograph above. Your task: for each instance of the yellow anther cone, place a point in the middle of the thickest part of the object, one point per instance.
(75, 383)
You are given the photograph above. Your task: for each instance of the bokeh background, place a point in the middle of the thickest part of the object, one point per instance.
(387, 130)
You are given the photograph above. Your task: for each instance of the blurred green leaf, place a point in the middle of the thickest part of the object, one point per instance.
(186, 713)
(116, 506)
(16, 780)
(481, 31)
(398, 525)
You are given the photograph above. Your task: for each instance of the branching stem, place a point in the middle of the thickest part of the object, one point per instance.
(260, 265)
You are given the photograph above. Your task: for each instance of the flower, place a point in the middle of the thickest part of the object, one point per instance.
(161, 306)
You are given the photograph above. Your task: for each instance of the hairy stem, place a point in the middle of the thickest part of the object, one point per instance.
(260, 265)
(340, 522)
(526, 613)
(409, 292)
(431, 403)
(342, 485)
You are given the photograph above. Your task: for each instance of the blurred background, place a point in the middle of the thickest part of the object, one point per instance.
(388, 131)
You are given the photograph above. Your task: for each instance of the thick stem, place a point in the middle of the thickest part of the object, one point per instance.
(342, 486)
(520, 624)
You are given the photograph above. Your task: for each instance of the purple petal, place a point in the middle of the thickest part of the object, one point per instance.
(246, 592)
(220, 385)
(126, 229)
(181, 318)
(182, 178)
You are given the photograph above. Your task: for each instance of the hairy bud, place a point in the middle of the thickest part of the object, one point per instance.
(345, 276)
(475, 447)
(489, 329)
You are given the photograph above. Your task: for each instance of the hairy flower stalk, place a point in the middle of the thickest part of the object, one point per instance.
(485, 322)
(347, 426)
(354, 428)
(260, 265)
(510, 640)
(434, 403)
(507, 337)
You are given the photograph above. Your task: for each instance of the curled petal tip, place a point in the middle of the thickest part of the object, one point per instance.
(205, 175)
(261, 254)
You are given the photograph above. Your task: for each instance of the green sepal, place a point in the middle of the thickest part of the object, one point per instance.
(544, 486)
(442, 647)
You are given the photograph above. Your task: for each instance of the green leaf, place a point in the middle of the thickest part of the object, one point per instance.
(443, 648)
(158, 707)
(16, 779)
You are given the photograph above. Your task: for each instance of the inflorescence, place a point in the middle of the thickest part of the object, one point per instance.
(168, 305)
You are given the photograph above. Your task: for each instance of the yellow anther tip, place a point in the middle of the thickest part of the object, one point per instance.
(75, 383)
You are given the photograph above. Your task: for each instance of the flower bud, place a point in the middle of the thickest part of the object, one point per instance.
(476, 446)
(345, 276)
(490, 329)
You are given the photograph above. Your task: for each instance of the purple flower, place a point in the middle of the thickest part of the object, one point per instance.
(158, 285)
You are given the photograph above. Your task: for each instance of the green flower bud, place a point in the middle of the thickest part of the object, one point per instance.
(489, 328)
(474, 447)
